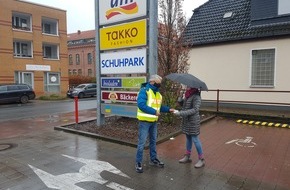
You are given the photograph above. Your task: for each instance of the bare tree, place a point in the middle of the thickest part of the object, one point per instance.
(172, 52)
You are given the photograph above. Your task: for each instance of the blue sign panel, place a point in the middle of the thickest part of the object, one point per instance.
(120, 110)
(111, 83)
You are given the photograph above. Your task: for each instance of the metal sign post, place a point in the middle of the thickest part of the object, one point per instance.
(153, 39)
(100, 116)
(76, 99)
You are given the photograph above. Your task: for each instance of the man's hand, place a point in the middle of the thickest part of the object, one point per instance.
(158, 113)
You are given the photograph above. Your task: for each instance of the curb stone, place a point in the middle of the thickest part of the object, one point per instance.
(118, 141)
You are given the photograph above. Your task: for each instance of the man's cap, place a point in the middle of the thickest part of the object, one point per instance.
(155, 78)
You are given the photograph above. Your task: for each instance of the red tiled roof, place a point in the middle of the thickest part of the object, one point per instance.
(81, 35)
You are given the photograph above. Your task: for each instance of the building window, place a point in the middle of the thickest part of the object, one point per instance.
(52, 82)
(70, 59)
(90, 58)
(21, 21)
(90, 72)
(263, 68)
(75, 72)
(49, 26)
(283, 7)
(24, 77)
(69, 72)
(77, 59)
(79, 72)
(228, 15)
(50, 51)
(22, 48)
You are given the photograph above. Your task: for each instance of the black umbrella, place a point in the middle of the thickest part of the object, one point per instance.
(188, 80)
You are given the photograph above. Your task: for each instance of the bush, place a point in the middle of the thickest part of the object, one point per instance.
(52, 97)
(170, 95)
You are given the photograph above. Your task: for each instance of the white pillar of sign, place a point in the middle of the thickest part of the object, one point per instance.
(100, 116)
(153, 37)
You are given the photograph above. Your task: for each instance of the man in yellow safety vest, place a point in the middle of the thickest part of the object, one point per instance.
(150, 106)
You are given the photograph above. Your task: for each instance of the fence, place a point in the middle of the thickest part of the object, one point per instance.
(243, 101)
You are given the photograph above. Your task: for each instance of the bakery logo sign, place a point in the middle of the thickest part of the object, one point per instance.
(119, 96)
(118, 10)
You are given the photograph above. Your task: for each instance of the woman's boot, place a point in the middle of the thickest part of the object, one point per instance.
(185, 159)
(200, 163)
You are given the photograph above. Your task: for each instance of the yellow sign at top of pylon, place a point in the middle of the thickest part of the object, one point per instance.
(111, 11)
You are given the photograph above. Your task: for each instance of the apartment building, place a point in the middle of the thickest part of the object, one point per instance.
(81, 52)
(33, 46)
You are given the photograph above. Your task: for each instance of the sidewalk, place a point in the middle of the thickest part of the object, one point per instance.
(41, 158)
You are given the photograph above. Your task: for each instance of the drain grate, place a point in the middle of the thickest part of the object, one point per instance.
(6, 146)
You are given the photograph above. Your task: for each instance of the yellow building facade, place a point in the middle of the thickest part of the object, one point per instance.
(33, 46)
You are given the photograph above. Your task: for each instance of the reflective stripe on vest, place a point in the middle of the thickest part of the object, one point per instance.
(154, 101)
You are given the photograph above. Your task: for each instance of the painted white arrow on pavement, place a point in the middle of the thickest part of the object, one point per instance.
(89, 172)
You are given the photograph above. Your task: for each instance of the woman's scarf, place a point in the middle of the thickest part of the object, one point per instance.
(189, 92)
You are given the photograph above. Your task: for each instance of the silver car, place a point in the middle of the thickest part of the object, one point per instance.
(83, 90)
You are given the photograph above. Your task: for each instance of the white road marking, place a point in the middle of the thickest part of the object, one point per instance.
(247, 142)
(89, 172)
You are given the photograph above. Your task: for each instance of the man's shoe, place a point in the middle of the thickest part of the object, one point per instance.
(156, 162)
(138, 167)
(185, 159)
(200, 163)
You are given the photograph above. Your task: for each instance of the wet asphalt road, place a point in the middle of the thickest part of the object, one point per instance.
(38, 108)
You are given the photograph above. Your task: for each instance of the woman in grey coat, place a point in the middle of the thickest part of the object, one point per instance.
(191, 124)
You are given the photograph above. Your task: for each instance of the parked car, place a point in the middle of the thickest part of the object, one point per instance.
(83, 90)
(16, 93)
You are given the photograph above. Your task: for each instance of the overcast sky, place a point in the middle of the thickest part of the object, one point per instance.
(81, 14)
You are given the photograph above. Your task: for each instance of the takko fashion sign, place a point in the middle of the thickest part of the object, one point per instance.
(130, 34)
(111, 11)
(123, 62)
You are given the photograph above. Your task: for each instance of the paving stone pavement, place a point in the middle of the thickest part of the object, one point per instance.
(238, 156)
